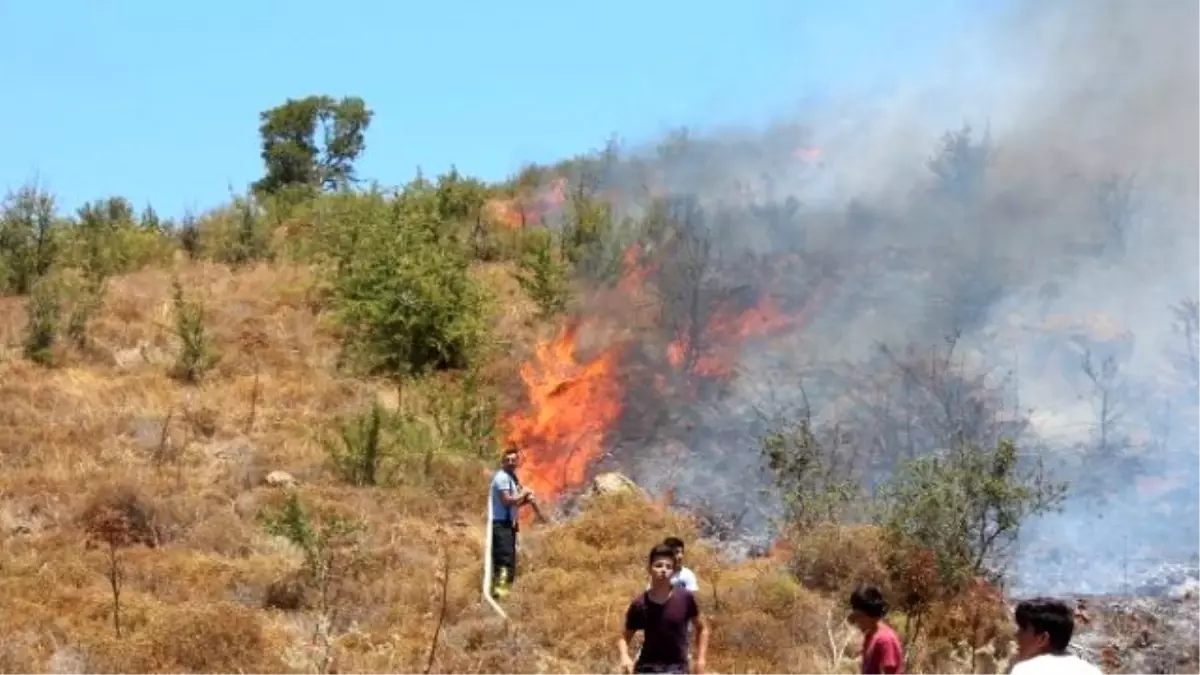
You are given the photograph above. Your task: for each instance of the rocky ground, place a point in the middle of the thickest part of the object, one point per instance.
(1140, 634)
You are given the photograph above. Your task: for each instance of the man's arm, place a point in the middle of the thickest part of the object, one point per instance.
(623, 646)
(633, 623)
(700, 628)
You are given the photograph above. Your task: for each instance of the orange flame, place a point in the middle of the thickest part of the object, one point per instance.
(525, 210)
(573, 405)
(571, 408)
(724, 335)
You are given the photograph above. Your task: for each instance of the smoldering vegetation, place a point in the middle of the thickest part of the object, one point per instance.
(890, 287)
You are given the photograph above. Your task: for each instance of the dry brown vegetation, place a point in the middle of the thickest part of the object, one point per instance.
(110, 435)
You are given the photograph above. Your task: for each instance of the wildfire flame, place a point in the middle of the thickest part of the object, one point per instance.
(526, 210)
(723, 336)
(571, 408)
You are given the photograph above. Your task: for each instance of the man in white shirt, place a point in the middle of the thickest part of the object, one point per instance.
(1044, 630)
(683, 577)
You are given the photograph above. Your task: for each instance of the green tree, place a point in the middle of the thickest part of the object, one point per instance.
(951, 517)
(544, 275)
(402, 285)
(967, 505)
(29, 238)
(806, 470)
(292, 153)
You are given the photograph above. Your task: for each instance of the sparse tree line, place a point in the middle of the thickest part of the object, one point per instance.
(396, 273)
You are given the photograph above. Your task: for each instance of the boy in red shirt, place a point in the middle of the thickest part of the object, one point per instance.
(881, 650)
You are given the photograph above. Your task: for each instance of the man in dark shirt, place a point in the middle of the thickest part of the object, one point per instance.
(663, 613)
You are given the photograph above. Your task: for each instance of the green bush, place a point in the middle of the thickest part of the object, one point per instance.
(401, 283)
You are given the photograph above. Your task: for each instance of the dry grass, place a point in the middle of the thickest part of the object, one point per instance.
(111, 427)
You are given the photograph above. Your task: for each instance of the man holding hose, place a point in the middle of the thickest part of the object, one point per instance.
(507, 499)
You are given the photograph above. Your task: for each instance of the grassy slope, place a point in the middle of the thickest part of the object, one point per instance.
(196, 602)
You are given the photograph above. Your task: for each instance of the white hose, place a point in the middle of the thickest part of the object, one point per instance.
(487, 562)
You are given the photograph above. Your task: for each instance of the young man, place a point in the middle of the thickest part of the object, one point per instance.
(683, 576)
(1044, 629)
(507, 499)
(663, 613)
(881, 649)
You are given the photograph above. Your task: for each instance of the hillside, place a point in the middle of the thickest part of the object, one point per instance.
(116, 426)
(258, 438)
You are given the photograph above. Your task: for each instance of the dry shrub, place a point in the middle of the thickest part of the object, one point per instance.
(836, 558)
(22, 652)
(120, 515)
(194, 638)
(620, 528)
(978, 615)
(765, 621)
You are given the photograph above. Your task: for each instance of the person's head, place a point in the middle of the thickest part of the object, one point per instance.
(661, 565)
(867, 607)
(511, 458)
(1044, 626)
(676, 544)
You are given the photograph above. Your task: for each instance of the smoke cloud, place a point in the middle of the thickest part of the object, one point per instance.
(1061, 227)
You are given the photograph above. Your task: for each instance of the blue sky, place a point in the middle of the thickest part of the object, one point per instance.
(159, 101)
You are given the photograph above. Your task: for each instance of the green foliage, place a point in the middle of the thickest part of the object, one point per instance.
(189, 236)
(196, 355)
(29, 238)
(966, 506)
(804, 469)
(295, 158)
(332, 546)
(588, 220)
(235, 234)
(460, 199)
(361, 449)
(252, 242)
(464, 414)
(43, 310)
(402, 287)
(544, 275)
(316, 538)
(109, 239)
(86, 301)
(53, 296)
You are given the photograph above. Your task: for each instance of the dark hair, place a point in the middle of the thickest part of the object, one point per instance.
(661, 551)
(1049, 616)
(674, 542)
(868, 600)
(510, 450)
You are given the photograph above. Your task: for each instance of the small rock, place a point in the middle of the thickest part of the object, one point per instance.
(612, 483)
(281, 479)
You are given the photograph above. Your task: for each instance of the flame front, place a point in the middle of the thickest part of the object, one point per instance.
(570, 410)
(573, 407)
(529, 208)
(722, 338)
